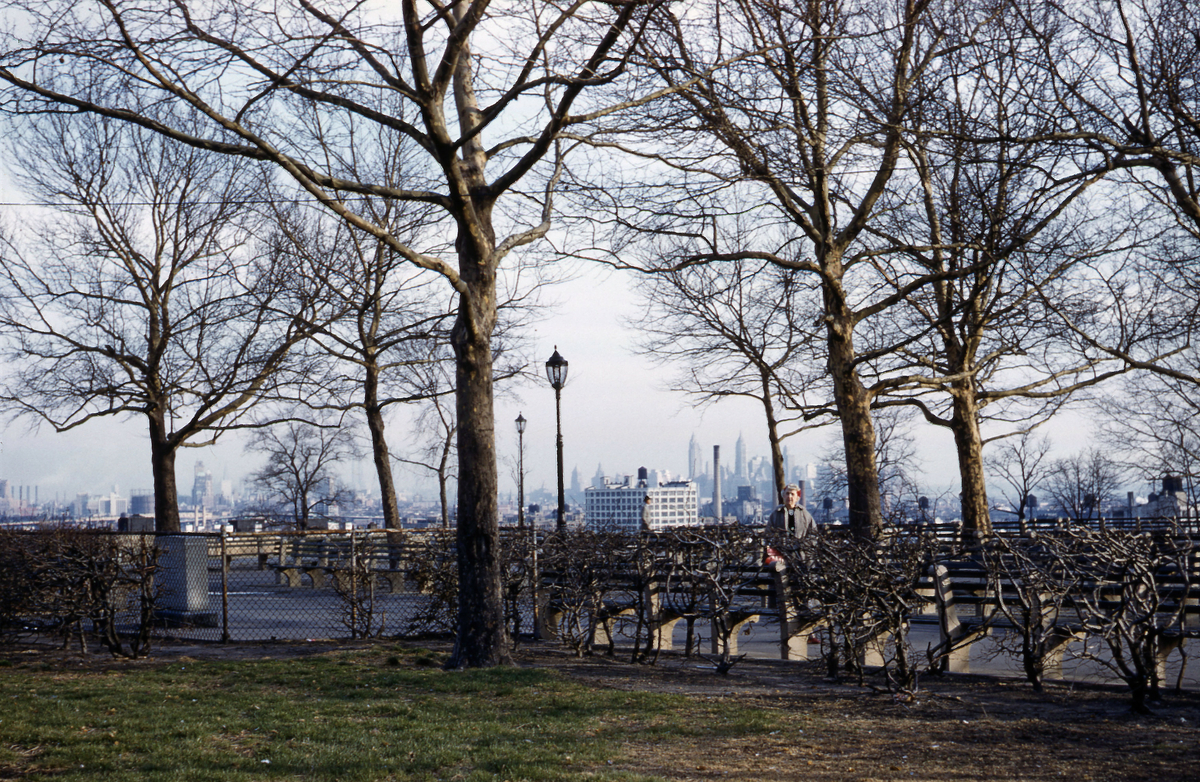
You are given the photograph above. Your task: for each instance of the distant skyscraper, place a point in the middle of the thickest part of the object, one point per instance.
(739, 459)
(202, 488)
(695, 465)
(576, 492)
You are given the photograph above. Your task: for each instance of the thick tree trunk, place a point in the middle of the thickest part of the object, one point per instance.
(862, 473)
(379, 448)
(854, 410)
(482, 637)
(969, 442)
(162, 465)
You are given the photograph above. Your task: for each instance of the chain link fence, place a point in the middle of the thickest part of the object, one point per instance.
(257, 586)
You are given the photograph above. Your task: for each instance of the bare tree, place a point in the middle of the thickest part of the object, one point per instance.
(1002, 223)
(1021, 463)
(1033, 582)
(1131, 601)
(1152, 424)
(297, 87)
(1082, 485)
(147, 294)
(795, 111)
(895, 455)
(435, 427)
(300, 461)
(393, 318)
(741, 329)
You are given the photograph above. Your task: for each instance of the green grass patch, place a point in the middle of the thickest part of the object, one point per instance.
(381, 714)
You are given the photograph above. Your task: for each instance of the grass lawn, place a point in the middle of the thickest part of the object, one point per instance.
(374, 714)
(388, 712)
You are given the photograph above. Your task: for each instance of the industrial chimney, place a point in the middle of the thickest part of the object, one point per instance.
(717, 482)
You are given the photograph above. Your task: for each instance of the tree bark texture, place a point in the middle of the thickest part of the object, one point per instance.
(162, 464)
(482, 637)
(379, 448)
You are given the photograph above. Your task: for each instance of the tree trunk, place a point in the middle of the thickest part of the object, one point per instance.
(482, 637)
(442, 481)
(162, 465)
(854, 410)
(969, 443)
(773, 437)
(379, 448)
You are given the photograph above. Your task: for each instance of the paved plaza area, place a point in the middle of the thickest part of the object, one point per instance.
(260, 609)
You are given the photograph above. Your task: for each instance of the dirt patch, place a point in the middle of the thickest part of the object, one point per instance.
(951, 728)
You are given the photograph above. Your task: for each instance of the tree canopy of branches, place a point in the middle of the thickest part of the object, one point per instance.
(300, 461)
(1083, 484)
(147, 294)
(394, 321)
(738, 330)
(797, 109)
(1002, 225)
(1124, 73)
(1022, 464)
(305, 87)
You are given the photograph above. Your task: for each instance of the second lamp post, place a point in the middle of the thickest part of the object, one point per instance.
(556, 373)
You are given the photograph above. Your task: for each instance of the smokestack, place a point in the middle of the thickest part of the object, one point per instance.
(717, 482)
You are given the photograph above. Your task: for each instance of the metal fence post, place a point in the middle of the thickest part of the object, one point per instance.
(224, 590)
(353, 588)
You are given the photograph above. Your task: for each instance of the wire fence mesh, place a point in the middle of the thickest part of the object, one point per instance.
(257, 586)
(336, 584)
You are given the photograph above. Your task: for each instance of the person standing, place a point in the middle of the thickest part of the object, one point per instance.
(791, 517)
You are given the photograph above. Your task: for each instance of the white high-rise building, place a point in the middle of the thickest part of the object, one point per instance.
(739, 460)
(617, 504)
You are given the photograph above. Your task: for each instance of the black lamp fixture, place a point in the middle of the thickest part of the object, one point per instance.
(556, 373)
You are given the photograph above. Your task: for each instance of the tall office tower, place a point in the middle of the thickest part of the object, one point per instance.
(739, 459)
(576, 492)
(202, 487)
(695, 468)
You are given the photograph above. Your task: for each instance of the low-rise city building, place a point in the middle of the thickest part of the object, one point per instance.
(617, 504)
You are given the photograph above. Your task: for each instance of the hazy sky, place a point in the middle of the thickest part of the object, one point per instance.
(616, 413)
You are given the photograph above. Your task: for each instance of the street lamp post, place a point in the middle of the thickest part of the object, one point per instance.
(520, 471)
(556, 372)
(533, 576)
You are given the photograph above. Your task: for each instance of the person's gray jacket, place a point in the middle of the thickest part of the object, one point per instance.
(798, 522)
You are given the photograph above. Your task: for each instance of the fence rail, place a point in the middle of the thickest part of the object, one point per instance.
(1052, 583)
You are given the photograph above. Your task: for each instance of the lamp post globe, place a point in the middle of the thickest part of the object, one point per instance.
(556, 373)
